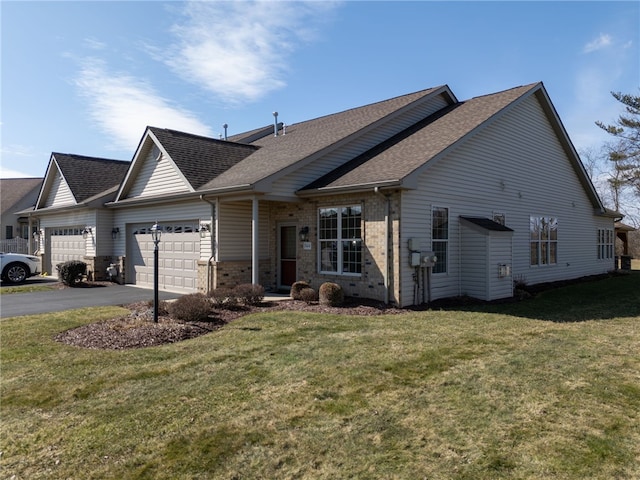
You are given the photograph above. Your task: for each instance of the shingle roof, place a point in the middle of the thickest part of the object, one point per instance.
(13, 190)
(307, 138)
(90, 176)
(201, 159)
(401, 155)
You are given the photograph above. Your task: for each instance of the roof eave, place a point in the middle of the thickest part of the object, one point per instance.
(355, 188)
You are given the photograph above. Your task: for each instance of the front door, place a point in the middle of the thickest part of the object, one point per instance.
(287, 252)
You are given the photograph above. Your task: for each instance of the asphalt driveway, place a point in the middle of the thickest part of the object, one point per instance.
(15, 304)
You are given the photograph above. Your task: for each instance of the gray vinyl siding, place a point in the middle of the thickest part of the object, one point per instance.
(59, 193)
(321, 166)
(235, 235)
(475, 281)
(516, 166)
(157, 177)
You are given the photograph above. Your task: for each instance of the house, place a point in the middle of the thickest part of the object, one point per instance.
(406, 200)
(16, 194)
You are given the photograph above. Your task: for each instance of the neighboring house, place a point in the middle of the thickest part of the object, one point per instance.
(17, 194)
(491, 188)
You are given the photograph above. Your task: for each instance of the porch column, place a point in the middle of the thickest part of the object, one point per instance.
(254, 242)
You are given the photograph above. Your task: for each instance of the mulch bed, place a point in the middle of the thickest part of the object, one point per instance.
(137, 329)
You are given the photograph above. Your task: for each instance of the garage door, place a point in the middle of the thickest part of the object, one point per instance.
(66, 243)
(178, 254)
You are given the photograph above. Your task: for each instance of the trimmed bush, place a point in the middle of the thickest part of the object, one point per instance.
(249, 293)
(297, 287)
(308, 295)
(223, 297)
(71, 272)
(331, 294)
(194, 307)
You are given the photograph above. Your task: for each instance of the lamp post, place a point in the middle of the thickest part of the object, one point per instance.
(156, 233)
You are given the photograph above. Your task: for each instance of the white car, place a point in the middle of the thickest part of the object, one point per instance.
(16, 267)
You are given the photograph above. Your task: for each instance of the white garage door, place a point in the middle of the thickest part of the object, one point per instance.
(178, 254)
(66, 243)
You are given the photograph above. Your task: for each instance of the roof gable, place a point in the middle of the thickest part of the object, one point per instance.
(408, 152)
(74, 179)
(172, 161)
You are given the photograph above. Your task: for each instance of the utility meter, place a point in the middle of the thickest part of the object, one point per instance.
(429, 259)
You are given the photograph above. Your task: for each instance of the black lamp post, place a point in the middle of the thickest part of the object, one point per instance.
(156, 233)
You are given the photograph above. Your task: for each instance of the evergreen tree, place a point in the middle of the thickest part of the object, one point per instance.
(624, 152)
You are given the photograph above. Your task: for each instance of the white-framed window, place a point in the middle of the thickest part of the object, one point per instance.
(340, 240)
(544, 240)
(605, 243)
(440, 238)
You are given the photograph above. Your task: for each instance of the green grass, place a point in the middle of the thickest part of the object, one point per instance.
(25, 289)
(546, 388)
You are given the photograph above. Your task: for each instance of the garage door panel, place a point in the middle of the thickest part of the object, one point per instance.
(65, 244)
(178, 254)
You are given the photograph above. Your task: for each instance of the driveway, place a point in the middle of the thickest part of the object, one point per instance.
(15, 304)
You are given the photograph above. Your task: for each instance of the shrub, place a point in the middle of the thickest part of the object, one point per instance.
(191, 308)
(71, 272)
(249, 293)
(163, 307)
(223, 297)
(331, 294)
(308, 295)
(297, 287)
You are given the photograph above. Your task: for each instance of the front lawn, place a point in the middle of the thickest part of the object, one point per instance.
(546, 388)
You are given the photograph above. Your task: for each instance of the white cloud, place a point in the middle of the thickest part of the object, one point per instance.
(123, 106)
(603, 41)
(240, 50)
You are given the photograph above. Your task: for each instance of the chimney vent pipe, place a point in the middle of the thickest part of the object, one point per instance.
(225, 126)
(275, 124)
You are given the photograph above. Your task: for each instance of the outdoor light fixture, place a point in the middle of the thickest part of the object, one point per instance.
(304, 234)
(204, 228)
(86, 232)
(114, 233)
(36, 237)
(156, 233)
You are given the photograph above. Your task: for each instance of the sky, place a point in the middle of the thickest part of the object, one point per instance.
(87, 77)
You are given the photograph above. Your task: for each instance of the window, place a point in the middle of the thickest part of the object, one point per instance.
(8, 232)
(340, 240)
(544, 240)
(605, 243)
(440, 237)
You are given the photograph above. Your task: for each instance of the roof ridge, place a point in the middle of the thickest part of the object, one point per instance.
(527, 86)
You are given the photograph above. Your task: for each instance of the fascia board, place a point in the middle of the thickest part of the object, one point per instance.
(133, 167)
(164, 152)
(567, 144)
(46, 183)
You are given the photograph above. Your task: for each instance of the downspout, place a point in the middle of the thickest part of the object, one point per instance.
(387, 221)
(213, 216)
(254, 242)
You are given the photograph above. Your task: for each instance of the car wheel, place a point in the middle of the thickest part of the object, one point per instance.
(15, 273)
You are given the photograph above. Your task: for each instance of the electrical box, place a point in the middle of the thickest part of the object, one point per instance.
(414, 244)
(428, 259)
(414, 259)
